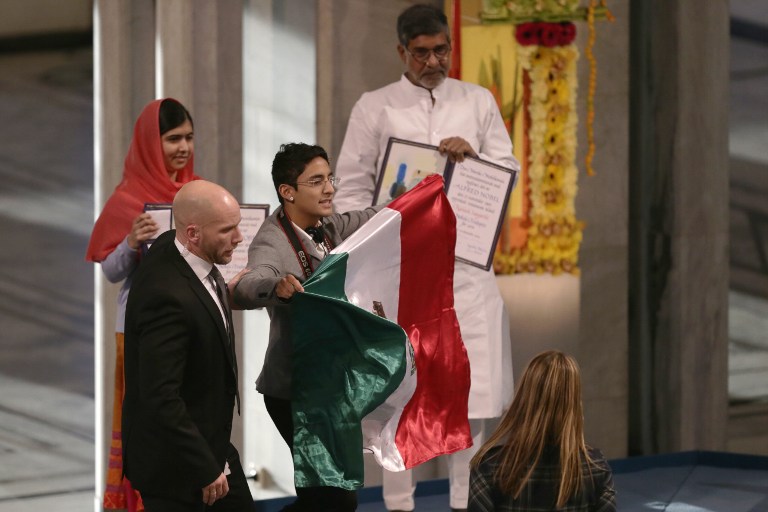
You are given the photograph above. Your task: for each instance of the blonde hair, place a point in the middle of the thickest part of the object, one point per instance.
(546, 411)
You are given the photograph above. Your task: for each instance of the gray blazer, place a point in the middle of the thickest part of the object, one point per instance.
(270, 257)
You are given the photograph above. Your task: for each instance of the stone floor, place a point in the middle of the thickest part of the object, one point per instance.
(46, 205)
(46, 448)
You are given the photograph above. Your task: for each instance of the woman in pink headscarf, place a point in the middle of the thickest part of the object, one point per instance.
(159, 162)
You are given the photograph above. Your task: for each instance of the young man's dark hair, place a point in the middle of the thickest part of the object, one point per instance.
(291, 160)
(419, 20)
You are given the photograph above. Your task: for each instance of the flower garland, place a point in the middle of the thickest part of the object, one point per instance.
(540, 8)
(521, 11)
(548, 58)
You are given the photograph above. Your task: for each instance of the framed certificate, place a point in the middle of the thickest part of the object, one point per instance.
(405, 164)
(478, 191)
(252, 217)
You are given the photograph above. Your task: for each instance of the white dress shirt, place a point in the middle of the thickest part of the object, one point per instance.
(202, 270)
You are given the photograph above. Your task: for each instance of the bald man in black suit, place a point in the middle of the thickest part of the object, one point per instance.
(180, 367)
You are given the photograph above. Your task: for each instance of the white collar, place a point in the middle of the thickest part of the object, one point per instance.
(200, 267)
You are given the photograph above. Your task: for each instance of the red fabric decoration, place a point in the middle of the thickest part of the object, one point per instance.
(145, 180)
(455, 71)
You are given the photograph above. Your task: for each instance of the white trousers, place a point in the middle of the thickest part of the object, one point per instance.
(398, 487)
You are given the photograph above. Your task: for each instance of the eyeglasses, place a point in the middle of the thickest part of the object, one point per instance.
(422, 55)
(333, 180)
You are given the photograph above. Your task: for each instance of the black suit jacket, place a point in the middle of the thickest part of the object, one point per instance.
(180, 379)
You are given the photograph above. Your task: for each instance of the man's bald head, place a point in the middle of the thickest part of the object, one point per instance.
(204, 212)
(197, 201)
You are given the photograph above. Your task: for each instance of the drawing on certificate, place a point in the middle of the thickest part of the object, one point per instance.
(405, 164)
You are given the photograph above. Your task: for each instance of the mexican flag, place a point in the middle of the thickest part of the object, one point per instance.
(379, 364)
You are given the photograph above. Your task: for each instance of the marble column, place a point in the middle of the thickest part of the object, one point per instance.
(199, 56)
(680, 225)
(123, 84)
(218, 91)
(174, 50)
(689, 223)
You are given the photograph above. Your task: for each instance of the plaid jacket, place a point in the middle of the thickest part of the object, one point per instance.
(540, 493)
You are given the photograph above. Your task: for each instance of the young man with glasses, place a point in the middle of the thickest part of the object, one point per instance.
(461, 119)
(287, 249)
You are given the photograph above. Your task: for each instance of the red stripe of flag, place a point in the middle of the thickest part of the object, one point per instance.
(434, 422)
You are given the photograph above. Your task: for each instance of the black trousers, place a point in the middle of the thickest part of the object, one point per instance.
(314, 499)
(238, 499)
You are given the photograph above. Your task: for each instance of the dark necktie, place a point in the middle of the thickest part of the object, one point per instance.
(222, 293)
(221, 286)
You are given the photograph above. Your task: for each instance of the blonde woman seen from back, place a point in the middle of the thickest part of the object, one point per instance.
(537, 459)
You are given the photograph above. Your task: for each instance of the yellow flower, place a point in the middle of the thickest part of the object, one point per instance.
(552, 141)
(540, 59)
(557, 118)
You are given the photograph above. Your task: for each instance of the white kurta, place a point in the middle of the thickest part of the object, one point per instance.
(406, 111)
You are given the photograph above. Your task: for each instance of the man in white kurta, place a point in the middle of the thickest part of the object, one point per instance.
(461, 119)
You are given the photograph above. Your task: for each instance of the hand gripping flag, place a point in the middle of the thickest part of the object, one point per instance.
(379, 363)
